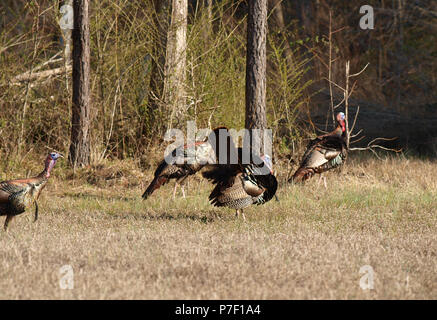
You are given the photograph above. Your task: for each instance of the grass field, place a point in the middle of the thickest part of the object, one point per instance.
(310, 245)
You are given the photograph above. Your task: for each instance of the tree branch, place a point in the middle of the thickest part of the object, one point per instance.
(29, 76)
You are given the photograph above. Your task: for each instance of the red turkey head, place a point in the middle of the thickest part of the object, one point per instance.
(340, 120)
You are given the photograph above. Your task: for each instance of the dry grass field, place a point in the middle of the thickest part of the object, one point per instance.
(310, 245)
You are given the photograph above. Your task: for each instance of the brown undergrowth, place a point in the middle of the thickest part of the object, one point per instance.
(309, 245)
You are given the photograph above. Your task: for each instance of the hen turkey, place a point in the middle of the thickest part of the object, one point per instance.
(16, 196)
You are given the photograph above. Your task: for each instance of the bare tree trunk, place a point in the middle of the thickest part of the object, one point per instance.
(80, 121)
(207, 30)
(399, 47)
(209, 8)
(307, 16)
(158, 60)
(256, 68)
(65, 10)
(279, 18)
(156, 84)
(174, 88)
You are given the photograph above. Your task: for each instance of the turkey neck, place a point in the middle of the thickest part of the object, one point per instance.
(338, 131)
(45, 174)
(41, 181)
(42, 178)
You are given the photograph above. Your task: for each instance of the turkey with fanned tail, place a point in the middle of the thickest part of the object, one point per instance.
(182, 162)
(240, 184)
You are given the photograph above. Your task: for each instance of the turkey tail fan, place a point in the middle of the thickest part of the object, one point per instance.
(271, 181)
(216, 174)
(301, 175)
(214, 197)
(221, 173)
(156, 183)
(221, 141)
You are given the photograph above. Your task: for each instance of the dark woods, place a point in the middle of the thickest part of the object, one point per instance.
(153, 67)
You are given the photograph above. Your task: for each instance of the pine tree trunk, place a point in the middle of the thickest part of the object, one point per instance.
(209, 8)
(158, 60)
(280, 21)
(256, 70)
(80, 121)
(66, 6)
(174, 88)
(156, 83)
(207, 28)
(399, 54)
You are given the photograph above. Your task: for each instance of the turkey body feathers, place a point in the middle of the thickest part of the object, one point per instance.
(165, 172)
(240, 185)
(182, 162)
(238, 191)
(18, 195)
(270, 191)
(322, 154)
(230, 193)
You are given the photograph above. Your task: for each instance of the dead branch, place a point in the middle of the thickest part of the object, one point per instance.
(359, 139)
(346, 104)
(317, 54)
(347, 93)
(358, 73)
(356, 134)
(210, 116)
(330, 67)
(13, 44)
(335, 84)
(371, 146)
(339, 104)
(355, 119)
(37, 76)
(53, 59)
(352, 89)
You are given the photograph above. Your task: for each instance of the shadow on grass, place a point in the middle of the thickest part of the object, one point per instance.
(150, 214)
(207, 217)
(82, 195)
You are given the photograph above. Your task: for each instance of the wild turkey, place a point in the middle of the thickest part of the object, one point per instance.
(181, 163)
(323, 153)
(240, 185)
(16, 196)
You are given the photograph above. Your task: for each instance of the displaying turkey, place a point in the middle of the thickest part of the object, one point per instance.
(16, 196)
(182, 162)
(323, 153)
(239, 185)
